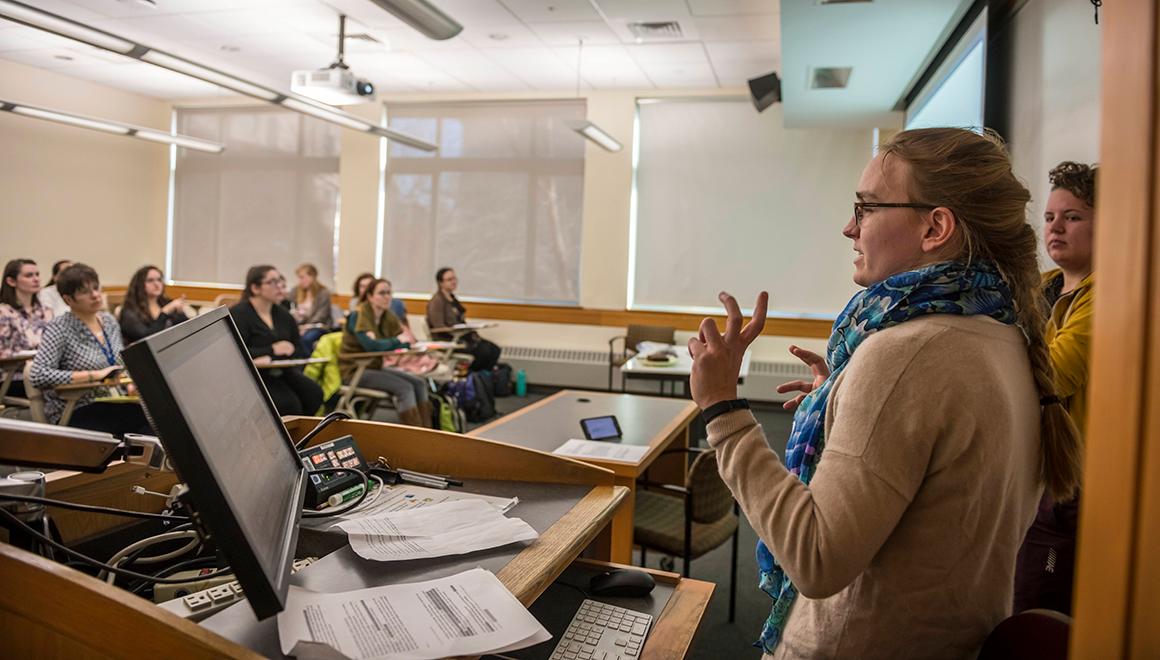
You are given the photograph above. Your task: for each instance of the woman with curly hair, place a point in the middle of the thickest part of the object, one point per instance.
(1043, 577)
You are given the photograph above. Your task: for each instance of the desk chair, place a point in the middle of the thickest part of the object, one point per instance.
(702, 516)
(1038, 634)
(70, 397)
(633, 336)
(227, 299)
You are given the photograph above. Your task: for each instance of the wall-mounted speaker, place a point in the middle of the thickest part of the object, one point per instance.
(765, 91)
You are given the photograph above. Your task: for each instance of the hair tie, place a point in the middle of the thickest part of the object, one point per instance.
(1049, 400)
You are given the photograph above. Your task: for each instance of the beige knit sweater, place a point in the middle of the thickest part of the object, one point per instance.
(903, 545)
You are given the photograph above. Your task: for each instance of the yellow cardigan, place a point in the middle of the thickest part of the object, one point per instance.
(1069, 339)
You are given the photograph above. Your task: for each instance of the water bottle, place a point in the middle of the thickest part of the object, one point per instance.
(521, 383)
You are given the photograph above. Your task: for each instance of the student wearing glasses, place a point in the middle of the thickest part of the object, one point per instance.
(84, 346)
(1043, 577)
(271, 333)
(146, 310)
(444, 311)
(931, 428)
(359, 289)
(374, 327)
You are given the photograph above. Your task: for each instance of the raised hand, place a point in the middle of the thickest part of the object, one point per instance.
(717, 357)
(817, 365)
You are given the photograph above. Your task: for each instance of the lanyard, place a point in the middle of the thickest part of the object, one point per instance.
(106, 349)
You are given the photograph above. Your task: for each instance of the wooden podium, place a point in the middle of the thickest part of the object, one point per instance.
(48, 610)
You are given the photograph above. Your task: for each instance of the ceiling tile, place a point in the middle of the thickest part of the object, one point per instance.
(724, 51)
(537, 11)
(569, 32)
(727, 28)
(621, 11)
(732, 7)
(667, 53)
(510, 34)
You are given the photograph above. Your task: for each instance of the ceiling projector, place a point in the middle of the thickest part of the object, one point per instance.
(334, 85)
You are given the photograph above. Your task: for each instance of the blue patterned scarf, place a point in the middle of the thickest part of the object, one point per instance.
(944, 288)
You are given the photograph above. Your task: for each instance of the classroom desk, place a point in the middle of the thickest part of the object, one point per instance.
(656, 422)
(639, 368)
(9, 367)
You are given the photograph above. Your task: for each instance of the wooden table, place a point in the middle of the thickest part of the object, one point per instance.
(658, 423)
(678, 372)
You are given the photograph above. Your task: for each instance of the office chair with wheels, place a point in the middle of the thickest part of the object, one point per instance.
(1041, 634)
(701, 517)
(633, 336)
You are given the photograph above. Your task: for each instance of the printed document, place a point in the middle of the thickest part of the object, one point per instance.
(403, 497)
(608, 451)
(471, 613)
(439, 530)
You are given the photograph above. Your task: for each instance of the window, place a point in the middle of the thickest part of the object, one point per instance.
(500, 202)
(271, 197)
(729, 199)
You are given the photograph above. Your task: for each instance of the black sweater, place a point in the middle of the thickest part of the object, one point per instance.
(135, 325)
(259, 337)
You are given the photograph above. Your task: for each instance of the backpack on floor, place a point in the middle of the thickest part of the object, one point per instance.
(501, 380)
(445, 413)
(472, 396)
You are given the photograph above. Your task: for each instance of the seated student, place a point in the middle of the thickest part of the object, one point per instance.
(83, 346)
(444, 310)
(270, 333)
(22, 317)
(49, 297)
(146, 310)
(932, 425)
(373, 327)
(1046, 567)
(360, 286)
(310, 306)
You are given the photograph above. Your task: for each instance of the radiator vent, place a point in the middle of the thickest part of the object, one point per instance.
(830, 77)
(568, 355)
(779, 369)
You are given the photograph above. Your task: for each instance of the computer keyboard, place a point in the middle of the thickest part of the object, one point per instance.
(200, 604)
(600, 631)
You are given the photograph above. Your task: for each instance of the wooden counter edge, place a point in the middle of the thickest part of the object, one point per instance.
(61, 612)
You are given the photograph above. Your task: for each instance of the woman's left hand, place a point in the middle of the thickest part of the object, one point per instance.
(717, 358)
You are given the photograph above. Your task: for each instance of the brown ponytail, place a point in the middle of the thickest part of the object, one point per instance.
(970, 174)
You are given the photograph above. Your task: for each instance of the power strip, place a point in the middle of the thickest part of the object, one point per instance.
(167, 592)
(201, 604)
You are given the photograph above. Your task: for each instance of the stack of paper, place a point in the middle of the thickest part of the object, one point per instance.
(466, 614)
(402, 497)
(439, 530)
(602, 450)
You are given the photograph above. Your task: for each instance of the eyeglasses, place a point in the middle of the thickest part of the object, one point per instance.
(276, 281)
(860, 206)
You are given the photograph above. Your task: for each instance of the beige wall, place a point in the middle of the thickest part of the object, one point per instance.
(75, 193)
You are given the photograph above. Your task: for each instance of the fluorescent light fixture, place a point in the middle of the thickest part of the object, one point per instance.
(423, 16)
(327, 114)
(182, 65)
(595, 134)
(179, 140)
(64, 27)
(114, 127)
(71, 120)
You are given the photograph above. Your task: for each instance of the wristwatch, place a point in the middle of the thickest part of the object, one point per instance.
(722, 407)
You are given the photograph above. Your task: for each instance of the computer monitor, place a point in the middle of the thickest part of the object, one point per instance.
(227, 442)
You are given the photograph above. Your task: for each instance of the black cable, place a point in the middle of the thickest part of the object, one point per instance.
(89, 507)
(112, 569)
(336, 511)
(1096, 4)
(323, 423)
